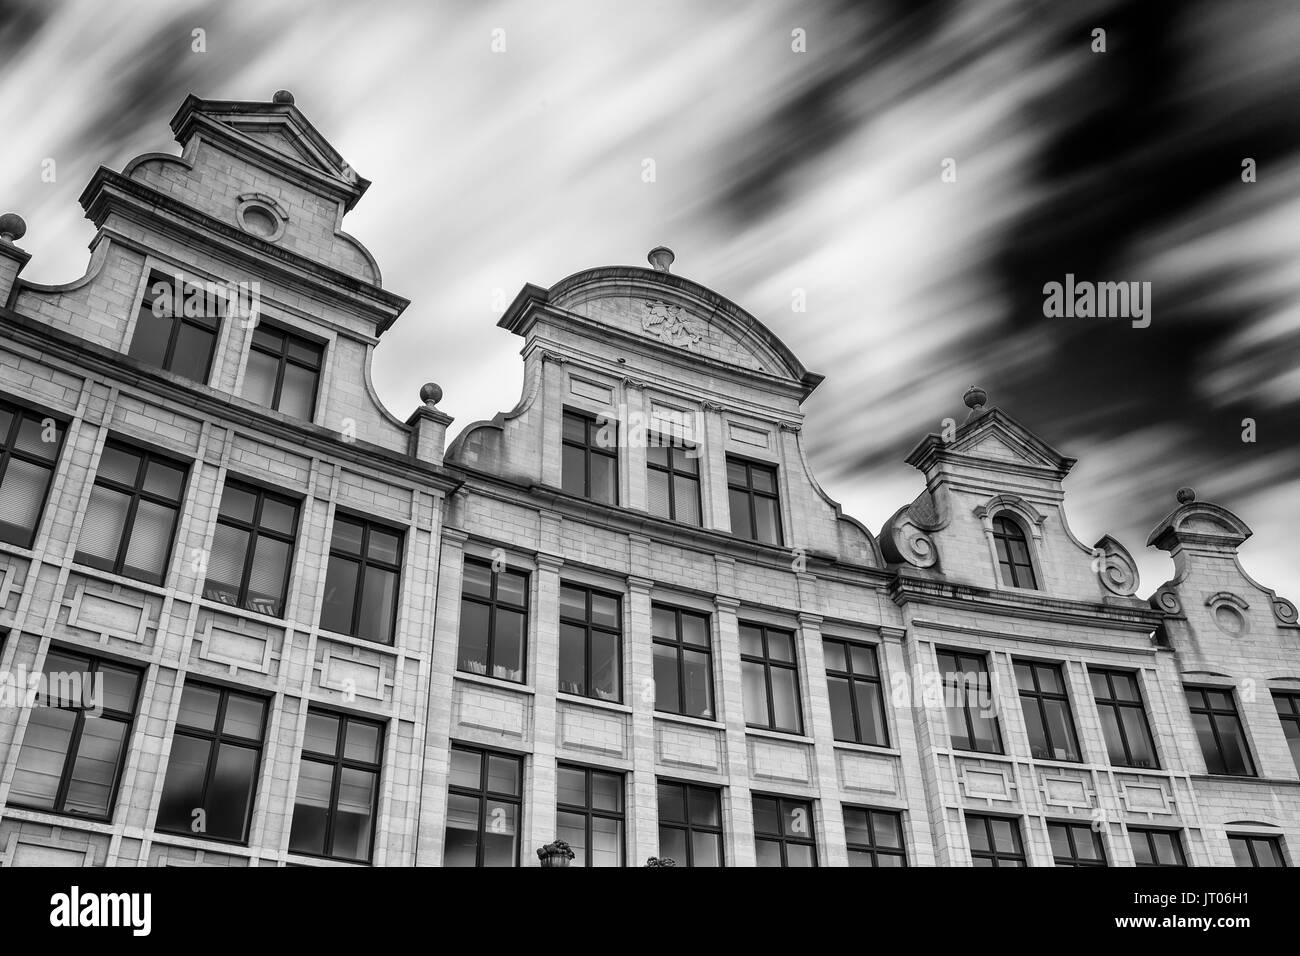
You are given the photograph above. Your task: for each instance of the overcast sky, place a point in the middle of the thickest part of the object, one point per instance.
(779, 171)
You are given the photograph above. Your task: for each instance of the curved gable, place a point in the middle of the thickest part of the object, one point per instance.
(677, 312)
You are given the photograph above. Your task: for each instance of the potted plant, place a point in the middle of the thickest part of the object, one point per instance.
(660, 861)
(558, 853)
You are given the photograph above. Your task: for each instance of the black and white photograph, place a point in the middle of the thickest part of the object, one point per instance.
(539, 434)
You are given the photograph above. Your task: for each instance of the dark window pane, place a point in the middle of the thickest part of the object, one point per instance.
(259, 378)
(183, 788)
(667, 697)
(672, 808)
(378, 606)
(574, 478)
(298, 392)
(340, 595)
(198, 707)
(742, 525)
(573, 664)
(230, 797)
(841, 709)
(243, 717)
(94, 771)
(193, 352)
(604, 479)
(322, 735)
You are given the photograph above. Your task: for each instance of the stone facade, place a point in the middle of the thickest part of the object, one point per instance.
(649, 361)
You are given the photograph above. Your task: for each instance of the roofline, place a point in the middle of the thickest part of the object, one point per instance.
(533, 295)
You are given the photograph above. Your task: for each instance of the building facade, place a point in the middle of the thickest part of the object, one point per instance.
(249, 617)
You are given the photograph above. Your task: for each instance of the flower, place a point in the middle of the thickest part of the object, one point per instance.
(558, 848)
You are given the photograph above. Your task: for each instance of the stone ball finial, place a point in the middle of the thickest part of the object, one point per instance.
(975, 397)
(283, 96)
(1185, 496)
(431, 393)
(12, 227)
(660, 258)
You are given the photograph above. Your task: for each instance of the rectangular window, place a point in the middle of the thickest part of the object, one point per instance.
(770, 675)
(995, 841)
(590, 452)
(177, 327)
(1156, 847)
(212, 774)
(76, 740)
(130, 521)
(362, 581)
(1256, 850)
(683, 662)
(1288, 712)
(784, 833)
(874, 837)
(1076, 844)
(1046, 707)
(1219, 730)
(673, 479)
(252, 550)
(590, 815)
(591, 637)
(857, 704)
(283, 371)
(1123, 718)
(338, 787)
(755, 501)
(493, 621)
(29, 447)
(690, 824)
(968, 701)
(484, 808)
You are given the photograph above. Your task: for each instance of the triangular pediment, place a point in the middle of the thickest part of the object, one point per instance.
(277, 134)
(284, 139)
(998, 437)
(993, 436)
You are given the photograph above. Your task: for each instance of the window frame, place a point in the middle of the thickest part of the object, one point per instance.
(1206, 709)
(1250, 839)
(853, 677)
(590, 446)
(874, 849)
(92, 664)
(255, 531)
(178, 320)
(1292, 698)
(215, 738)
(589, 812)
(9, 450)
(679, 646)
(483, 794)
(337, 763)
(588, 625)
(493, 603)
(364, 561)
(751, 493)
(1037, 696)
(782, 839)
(768, 663)
(1071, 828)
(958, 655)
(993, 854)
(1007, 567)
(136, 492)
(1115, 702)
(689, 827)
(674, 448)
(1147, 833)
(284, 359)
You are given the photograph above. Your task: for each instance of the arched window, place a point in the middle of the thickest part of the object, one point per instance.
(1013, 554)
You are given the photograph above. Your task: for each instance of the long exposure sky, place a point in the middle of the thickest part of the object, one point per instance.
(779, 170)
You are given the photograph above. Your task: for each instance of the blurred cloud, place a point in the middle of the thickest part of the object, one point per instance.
(778, 171)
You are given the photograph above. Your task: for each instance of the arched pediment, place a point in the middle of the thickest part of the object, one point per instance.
(675, 312)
